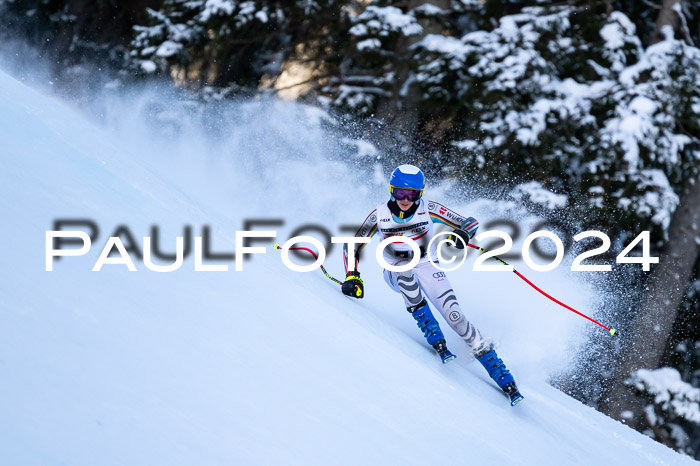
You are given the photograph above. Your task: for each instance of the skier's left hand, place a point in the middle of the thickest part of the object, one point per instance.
(453, 236)
(470, 225)
(466, 231)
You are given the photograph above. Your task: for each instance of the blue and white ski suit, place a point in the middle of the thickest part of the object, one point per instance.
(424, 278)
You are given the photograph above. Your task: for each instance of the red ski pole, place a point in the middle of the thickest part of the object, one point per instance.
(611, 330)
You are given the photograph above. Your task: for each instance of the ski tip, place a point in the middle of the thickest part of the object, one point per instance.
(612, 331)
(516, 399)
(449, 358)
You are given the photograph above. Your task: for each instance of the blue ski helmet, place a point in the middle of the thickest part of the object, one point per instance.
(407, 182)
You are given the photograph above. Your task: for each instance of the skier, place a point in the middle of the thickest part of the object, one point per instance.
(408, 214)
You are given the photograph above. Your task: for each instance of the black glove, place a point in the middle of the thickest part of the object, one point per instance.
(353, 285)
(466, 231)
(470, 225)
(462, 234)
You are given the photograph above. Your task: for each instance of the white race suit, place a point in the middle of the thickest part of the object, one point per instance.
(423, 280)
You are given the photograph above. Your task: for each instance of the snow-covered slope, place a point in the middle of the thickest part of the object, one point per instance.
(263, 366)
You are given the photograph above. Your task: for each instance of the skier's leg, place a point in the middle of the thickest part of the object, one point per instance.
(501, 375)
(439, 291)
(405, 283)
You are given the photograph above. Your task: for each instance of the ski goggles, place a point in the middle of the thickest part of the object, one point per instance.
(405, 193)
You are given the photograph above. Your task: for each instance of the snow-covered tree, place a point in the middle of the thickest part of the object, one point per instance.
(684, 346)
(367, 74)
(569, 97)
(82, 43)
(673, 406)
(231, 42)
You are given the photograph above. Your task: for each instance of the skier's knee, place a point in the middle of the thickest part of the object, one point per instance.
(415, 307)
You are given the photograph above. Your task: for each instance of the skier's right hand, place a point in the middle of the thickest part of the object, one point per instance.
(353, 285)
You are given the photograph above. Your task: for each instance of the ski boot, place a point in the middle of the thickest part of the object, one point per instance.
(501, 375)
(445, 354)
(431, 329)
